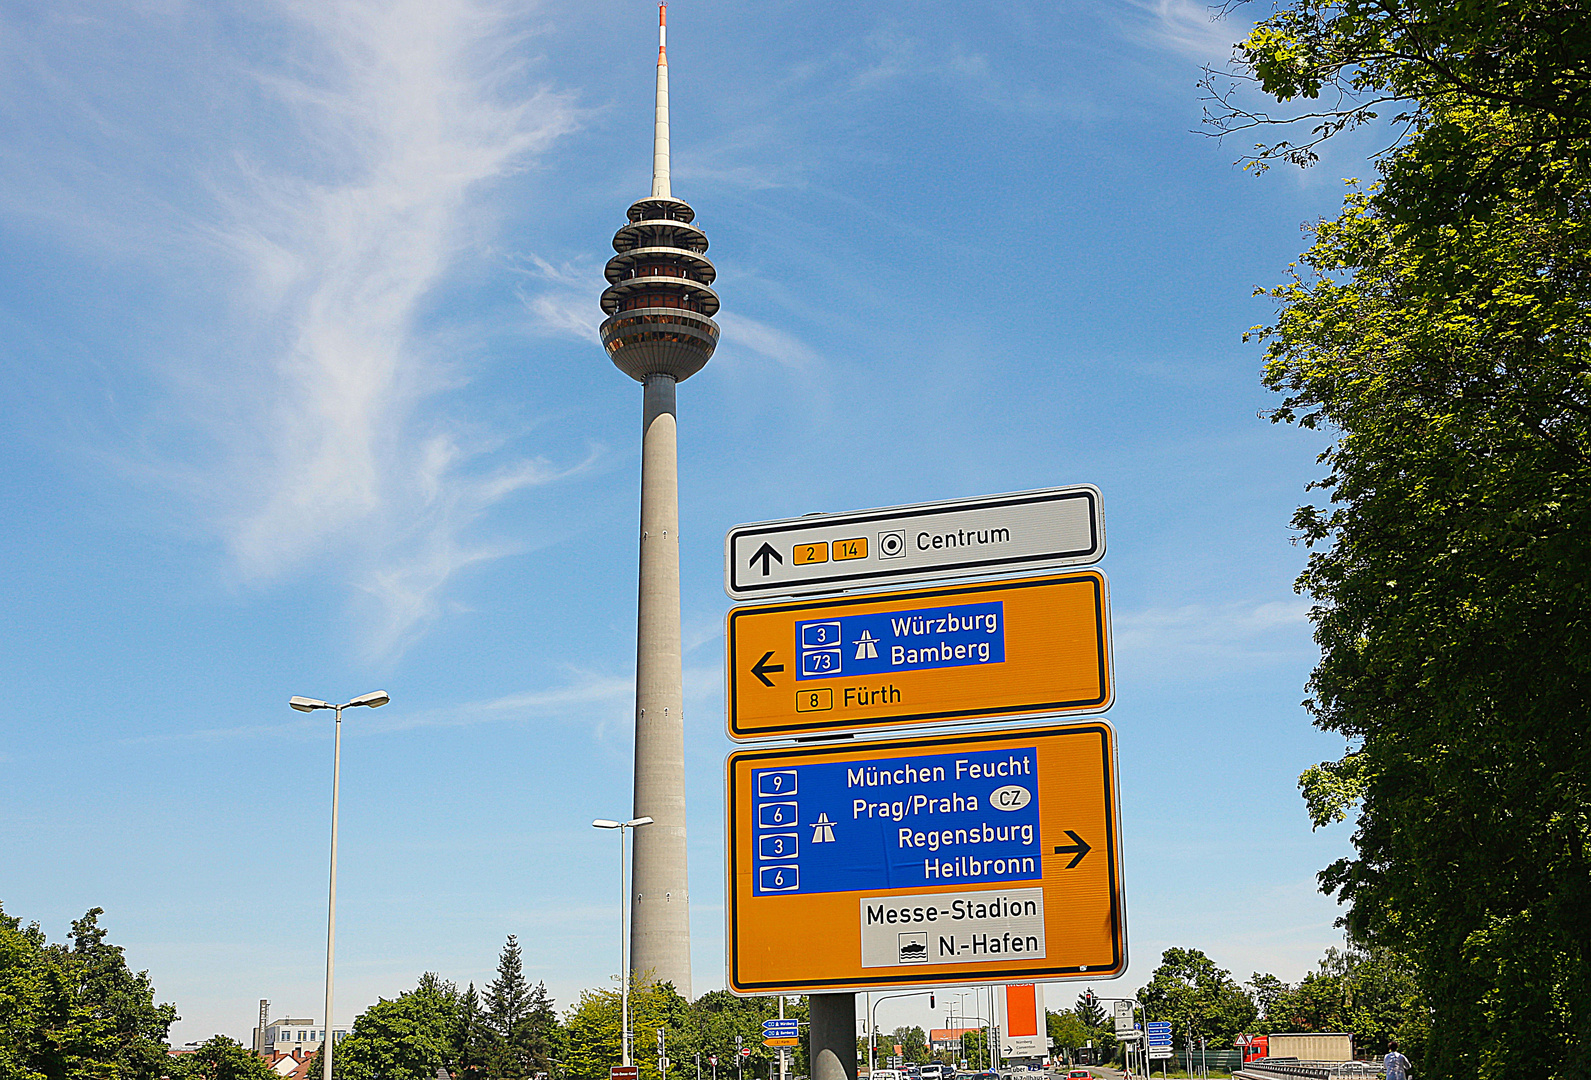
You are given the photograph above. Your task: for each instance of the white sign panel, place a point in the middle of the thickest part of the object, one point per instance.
(1158, 1052)
(943, 928)
(1025, 530)
(1122, 1011)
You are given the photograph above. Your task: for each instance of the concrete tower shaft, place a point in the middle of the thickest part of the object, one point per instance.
(659, 331)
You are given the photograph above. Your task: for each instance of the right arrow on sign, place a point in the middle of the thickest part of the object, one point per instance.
(1077, 849)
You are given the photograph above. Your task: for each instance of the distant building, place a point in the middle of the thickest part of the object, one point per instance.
(943, 1039)
(293, 1038)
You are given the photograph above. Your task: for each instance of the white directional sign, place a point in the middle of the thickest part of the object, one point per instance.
(1122, 1011)
(1025, 530)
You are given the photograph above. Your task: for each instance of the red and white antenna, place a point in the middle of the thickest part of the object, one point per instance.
(660, 185)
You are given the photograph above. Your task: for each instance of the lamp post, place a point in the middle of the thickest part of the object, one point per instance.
(374, 699)
(872, 1017)
(624, 931)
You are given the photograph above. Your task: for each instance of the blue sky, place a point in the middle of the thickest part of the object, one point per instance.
(303, 396)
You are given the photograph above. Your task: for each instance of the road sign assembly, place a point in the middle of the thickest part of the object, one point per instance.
(962, 652)
(1021, 532)
(976, 857)
(1122, 1012)
(1158, 1032)
(1025, 1032)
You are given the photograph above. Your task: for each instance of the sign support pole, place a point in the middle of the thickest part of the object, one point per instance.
(832, 1035)
(781, 1049)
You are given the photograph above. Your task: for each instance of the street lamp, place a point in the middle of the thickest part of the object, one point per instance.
(624, 931)
(374, 699)
(872, 1017)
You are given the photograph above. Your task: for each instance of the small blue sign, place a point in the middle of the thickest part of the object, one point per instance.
(1159, 1032)
(881, 643)
(780, 1029)
(903, 822)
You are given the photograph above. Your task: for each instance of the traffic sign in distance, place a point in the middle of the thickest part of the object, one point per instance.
(1029, 645)
(780, 1028)
(624, 1072)
(782, 1040)
(925, 861)
(1027, 530)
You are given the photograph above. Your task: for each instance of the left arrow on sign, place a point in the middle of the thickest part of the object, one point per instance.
(762, 668)
(1077, 849)
(765, 553)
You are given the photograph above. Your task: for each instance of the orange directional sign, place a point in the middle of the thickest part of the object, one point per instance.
(982, 857)
(1028, 645)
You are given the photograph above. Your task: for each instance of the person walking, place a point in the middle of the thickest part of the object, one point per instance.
(1397, 1065)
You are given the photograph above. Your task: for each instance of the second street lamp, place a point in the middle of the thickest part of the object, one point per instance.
(624, 929)
(374, 699)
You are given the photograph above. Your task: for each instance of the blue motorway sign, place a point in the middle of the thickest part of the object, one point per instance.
(1159, 1032)
(780, 1029)
(888, 642)
(893, 823)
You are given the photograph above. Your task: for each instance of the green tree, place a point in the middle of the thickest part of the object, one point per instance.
(21, 999)
(912, 1041)
(1197, 997)
(1264, 990)
(507, 1007)
(472, 1038)
(975, 1048)
(592, 1027)
(407, 1038)
(1451, 577)
(1089, 1010)
(539, 1036)
(220, 1058)
(1068, 1032)
(76, 1011)
(1439, 332)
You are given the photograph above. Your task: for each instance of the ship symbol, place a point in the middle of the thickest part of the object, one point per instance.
(913, 948)
(867, 646)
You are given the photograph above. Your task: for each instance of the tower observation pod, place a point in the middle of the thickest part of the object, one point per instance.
(659, 331)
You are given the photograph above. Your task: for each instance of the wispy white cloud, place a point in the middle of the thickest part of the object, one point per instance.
(342, 181)
(562, 300)
(1211, 639)
(1197, 30)
(765, 342)
(408, 107)
(594, 698)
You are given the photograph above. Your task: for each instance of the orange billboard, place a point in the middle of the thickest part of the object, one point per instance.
(1004, 648)
(947, 859)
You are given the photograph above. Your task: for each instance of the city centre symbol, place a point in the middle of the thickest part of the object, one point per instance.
(823, 830)
(867, 646)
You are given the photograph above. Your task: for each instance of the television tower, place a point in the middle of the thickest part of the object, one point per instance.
(659, 331)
